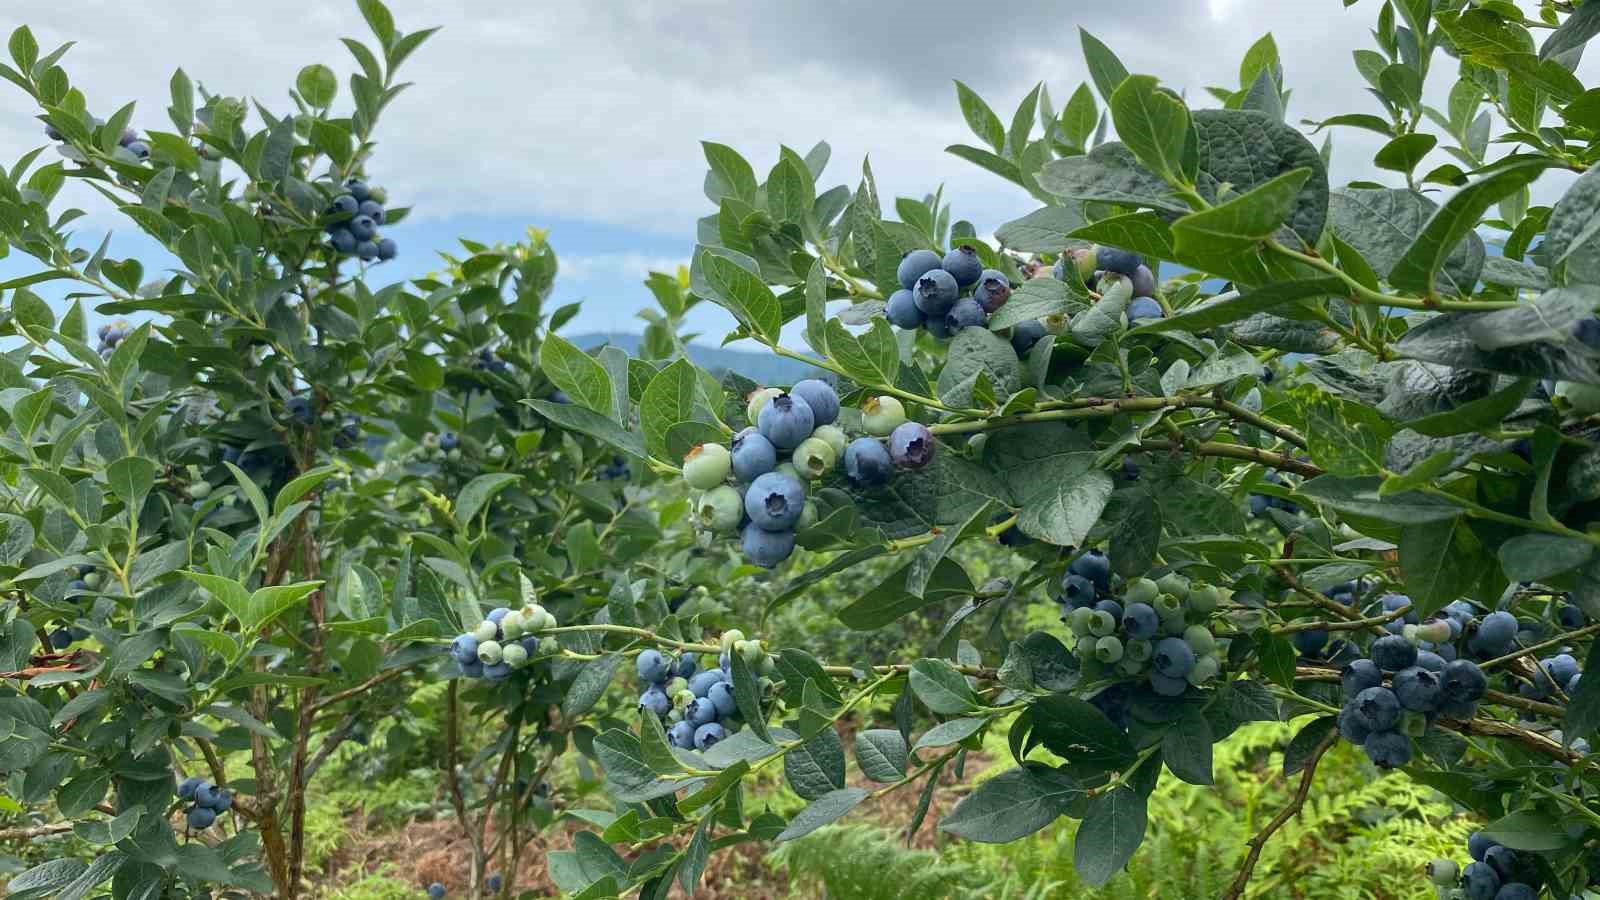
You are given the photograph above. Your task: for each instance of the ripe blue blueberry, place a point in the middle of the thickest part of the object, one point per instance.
(51, 132)
(1388, 749)
(344, 206)
(993, 290)
(1310, 642)
(866, 462)
(367, 251)
(1431, 661)
(963, 264)
(1140, 621)
(911, 445)
(721, 696)
(1167, 686)
(436, 891)
(205, 794)
(1351, 728)
(700, 711)
(1417, 689)
(700, 683)
(1463, 681)
(1110, 607)
(1516, 890)
(372, 210)
(1503, 860)
(753, 455)
(821, 397)
(1587, 331)
(200, 817)
(358, 189)
(1479, 844)
(1025, 334)
(766, 548)
(935, 293)
(1123, 262)
(139, 149)
(681, 735)
(688, 664)
(652, 667)
(493, 882)
(914, 265)
(363, 227)
(1173, 657)
(387, 250)
(1393, 652)
(499, 671)
(61, 639)
(1144, 283)
(1570, 616)
(1495, 634)
(1077, 591)
(1095, 566)
(775, 501)
(786, 420)
(1560, 668)
(708, 735)
(187, 788)
(464, 648)
(966, 313)
(342, 240)
(936, 326)
(222, 801)
(1377, 708)
(473, 669)
(902, 310)
(1145, 308)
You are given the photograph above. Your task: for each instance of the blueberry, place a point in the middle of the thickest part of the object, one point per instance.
(700, 683)
(966, 313)
(1351, 728)
(1110, 607)
(1560, 668)
(911, 445)
(61, 639)
(882, 415)
(706, 465)
(472, 669)
(1503, 860)
(447, 442)
(866, 461)
(499, 671)
(1144, 283)
(814, 457)
(51, 132)
(688, 664)
(708, 735)
(1570, 616)
(1431, 661)
(720, 509)
(1145, 308)
(358, 189)
(993, 290)
(222, 801)
(1417, 689)
(1359, 675)
(344, 206)
(493, 882)
(902, 310)
(786, 420)
(700, 711)
(681, 735)
(935, 293)
(436, 891)
(774, 502)
(1495, 634)
(200, 817)
(1478, 844)
(1259, 504)
(915, 264)
(464, 648)
(363, 227)
(1167, 686)
(367, 251)
(821, 397)
(753, 455)
(1388, 749)
(1173, 657)
(387, 249)
(936, 326)
(1123, 262)
(1377, 708)
(1025, 334)
(1310, 642)
(1516, 890)
(766, 548)
(139, 149)
(963, 264)
(1463, 681)
(1108, 649)
(342, 240)
(1095, 566)
(372, 210)
(187, 788)
(721, 696)
(1393, 652)
(1464, 710)
(1443, 872)
(1587, 331)
(652, 667)
(1077, 591)
(1140, 621)
(299, 409)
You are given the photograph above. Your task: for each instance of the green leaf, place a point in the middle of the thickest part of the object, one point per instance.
(952, 732)
(1359, 496)
(479, 491)
(231, 594)
(1109, 173)
(730, 174)
(890, 599)
(590, 685)
(1404, 152)
(668, 400)
(577, 373)
(1066, 498)
(1277, 656)
(742, 293)
(576, 418)
(870, 359)
(301, 486)
(1232, 307)
(974, 353)
(824, 809)
(1077, 732)
(1014, 804)
(1583, 710)
(1243, 150)
(317, 85)
(1111, 831)
(1186, 747)
(815, 768)
(881, 754)
(1550, 317)
(131, 478)
(980, 118)
(1528, 830)
(1535, 557)
(1246, 219)
(109, 831)
(1104, 67)
(941, 688)
(268, 603)
(1483, 414)
(1152, 122)
(1415, 270)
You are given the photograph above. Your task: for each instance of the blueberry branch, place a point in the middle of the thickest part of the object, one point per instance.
(1088, 407)
(1259, 842)
(891, 390)
(1349, 625)
(1565, 638)
(1360, 293)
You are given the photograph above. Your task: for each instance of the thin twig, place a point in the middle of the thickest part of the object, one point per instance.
(1257, 843)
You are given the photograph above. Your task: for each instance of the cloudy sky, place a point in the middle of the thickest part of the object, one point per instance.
(585, 116)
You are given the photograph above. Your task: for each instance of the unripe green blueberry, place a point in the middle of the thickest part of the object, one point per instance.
(1130, 668)
(1057, 323)
(497, 453)
(1108, 649)
(1443, 872)
(731, 637)
(808, 516)
(1169, 605)
(682, 698)
(1205, 669)
(1137, 650)
(1203, 599)
(454, 455)
(882, 415)
(1172, 626)
(1200, 639)
(1140, 590)
(549, 646)
(834, 437)
(814, 457)
(513, 625)
(1437, 631)
(752, 652)
(199, 490)
(514, 655)
(1086, 646)
(707, 466)
(757, 399)
(674, 716)
(486, 631)
(1102, 623)
(92, 580)
(675, 684)
(719, 509)
(1078, 620)
(489, 652)
(765, 685)
(1174, 584)
(789, 469)
(767, 666)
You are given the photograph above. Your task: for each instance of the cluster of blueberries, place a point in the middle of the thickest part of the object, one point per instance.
(697, 707)
(1496, 873)
(128, 140)
(1154, 632)
(441, 446)
(507, 639)
(84, 580)
(614, 470)
(1093, 262)
(111, 334)
(489, 361)
(794, 440)
(931, 288)
(207, 801)
(353, 223)
(1260, 503)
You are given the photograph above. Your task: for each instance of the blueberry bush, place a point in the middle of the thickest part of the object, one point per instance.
(1271, 449)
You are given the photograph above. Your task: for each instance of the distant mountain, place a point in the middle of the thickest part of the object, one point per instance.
(758, 366)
